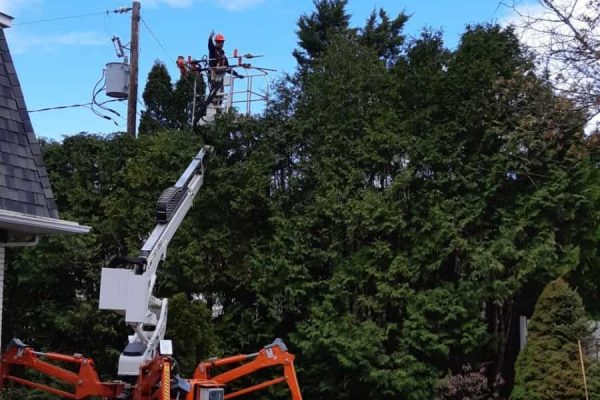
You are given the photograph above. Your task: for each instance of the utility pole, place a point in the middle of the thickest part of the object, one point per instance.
(133, 76)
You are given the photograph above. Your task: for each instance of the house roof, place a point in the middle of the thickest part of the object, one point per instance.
(5, 20)
(24, 184)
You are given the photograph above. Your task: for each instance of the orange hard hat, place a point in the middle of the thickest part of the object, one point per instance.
(219, 38)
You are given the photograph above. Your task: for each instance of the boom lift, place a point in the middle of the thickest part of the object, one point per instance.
(145, 365)
(129, 291)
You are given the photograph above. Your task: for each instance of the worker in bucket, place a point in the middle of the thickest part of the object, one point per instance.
(217, 60)
(218, 66)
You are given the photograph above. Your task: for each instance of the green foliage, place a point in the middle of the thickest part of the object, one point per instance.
(191, 331)
(182, 100)
(549, 366)
(315, 30)
(168, 106)
(384, 35)
(157, 94)
(593, 379)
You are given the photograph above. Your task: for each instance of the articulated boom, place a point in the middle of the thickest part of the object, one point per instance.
(128, 290)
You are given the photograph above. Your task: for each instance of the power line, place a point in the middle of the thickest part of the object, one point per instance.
(71, 106)
(156, 39)
(116, 11)
(58, 18)
(162, 47)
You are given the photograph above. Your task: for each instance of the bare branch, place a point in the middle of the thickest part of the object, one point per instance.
(567, 21)
(565, 35)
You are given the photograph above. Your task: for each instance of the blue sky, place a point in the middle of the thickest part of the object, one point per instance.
(59, 62)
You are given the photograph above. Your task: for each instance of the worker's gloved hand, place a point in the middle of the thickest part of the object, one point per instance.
(212, 33)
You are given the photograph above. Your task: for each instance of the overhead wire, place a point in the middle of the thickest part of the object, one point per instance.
(101, 105)
(86, 105)
(106, 12)
(139, 111)
(58, 18)
(156, 39)
(106, 26)
(161, 46)
(95, 91)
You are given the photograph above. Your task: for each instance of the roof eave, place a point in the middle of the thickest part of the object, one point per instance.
(34, 225)
(5, 20)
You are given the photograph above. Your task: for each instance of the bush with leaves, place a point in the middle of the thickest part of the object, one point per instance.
(593, 379)
(549, 365)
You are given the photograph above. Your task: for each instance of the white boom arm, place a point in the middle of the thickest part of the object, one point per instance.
(128, 291)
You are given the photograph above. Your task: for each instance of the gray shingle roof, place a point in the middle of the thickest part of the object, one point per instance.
(24, 183)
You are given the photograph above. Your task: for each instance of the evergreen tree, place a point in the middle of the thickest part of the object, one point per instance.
(489, 185)
(592, 373)
(157, 97)
(192, 333)
(384, 35)
(549, 366)
(316, 30)
(169, 107)
(180, 114)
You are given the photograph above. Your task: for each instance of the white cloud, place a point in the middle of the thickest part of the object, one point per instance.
(238, 5)
(20, 44)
